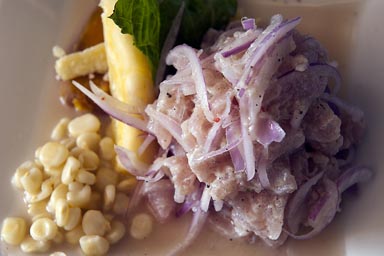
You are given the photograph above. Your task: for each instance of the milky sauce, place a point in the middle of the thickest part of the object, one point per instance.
(332, 23)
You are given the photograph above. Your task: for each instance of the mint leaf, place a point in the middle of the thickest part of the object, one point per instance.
(150, 20)
(140, 18)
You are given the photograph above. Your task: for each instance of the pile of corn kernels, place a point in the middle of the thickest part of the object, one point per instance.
(73, 193)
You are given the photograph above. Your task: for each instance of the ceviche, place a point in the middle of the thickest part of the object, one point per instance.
(239, 125)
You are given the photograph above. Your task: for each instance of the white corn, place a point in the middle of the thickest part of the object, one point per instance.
(53, 154)
(61, 212)
(127, 185)
(94, 223)
(13, 230)
(45, 191)
(74, 218)
(82, 124)
(116, 233)
(79, 196)
(60, 131)
(121, 203)
(60, 192)
(141, 226)
(94, 245)
(38, 210)
(88, 140)
(89, 160)
(104, 177)
(69, 143)
(86, 177)
(43, 229)
(54, 172)
(76, 151)
(32, 180)
(58, 254)
(109, 196)
(107, 150)
(95, 202)
(29, 245)
(73, 236)
(70, 170)
(21, 171)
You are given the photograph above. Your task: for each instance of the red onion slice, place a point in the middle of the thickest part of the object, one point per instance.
(270, 36)
(352, 176)
(198, 220)
(294, 207)
(147, 141)
(130, 162)
(323, 212)
(268, 131)
(170, 125)
(197, 74)
(248, 23)
(114, 110)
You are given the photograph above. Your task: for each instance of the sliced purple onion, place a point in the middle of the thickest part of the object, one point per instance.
(268, 131)
(248, 23)
(205, 199)
(262, 169)
(352, 176)
(151, 177)
(236, 157)
(197, 74)
(220, 151)
(198, 220)
(170, 125)
(294, 208)
(356, 113)
(270, 36)
(114, 110)
(130, 162)
(192, 201)
(323, 211)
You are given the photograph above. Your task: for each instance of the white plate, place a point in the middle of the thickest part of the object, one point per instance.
(29, 105)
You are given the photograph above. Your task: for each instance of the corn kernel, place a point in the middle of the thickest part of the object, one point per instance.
(107, 150)
(60, 131)
(141, 226)
(109, 196)
(60, 192)
(43, 229)
(82, 124)
(94, 223)
(32, 180)
(58, 254)
(73, 236)
(70, 170)
(88, 140)
(45, 192)
(21, 171)
(79, 196)
(86, 177)
(74, 218)
(13, 230)
(69, 143)
(95, 201)
(29, 245)
(94, 245)
(127, 185)
(38, 210)
(116, 233)
(61, 212)
(53, 154)
(89, 160)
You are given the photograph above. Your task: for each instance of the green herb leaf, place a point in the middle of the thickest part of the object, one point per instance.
(140, 18)
(150, 20)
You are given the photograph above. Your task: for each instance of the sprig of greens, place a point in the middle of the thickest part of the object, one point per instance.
(150, 20)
